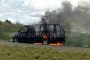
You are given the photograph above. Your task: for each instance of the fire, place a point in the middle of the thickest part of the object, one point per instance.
(45, 37)
(51, 44)
(38, 43)
(56, 44)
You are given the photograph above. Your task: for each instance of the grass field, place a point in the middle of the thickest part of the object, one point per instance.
(15, 52)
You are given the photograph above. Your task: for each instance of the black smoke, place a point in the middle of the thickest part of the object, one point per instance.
(75, 19)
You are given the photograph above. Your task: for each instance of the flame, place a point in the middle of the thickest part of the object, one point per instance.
(38, 43)
(45, 36)
(56, 44)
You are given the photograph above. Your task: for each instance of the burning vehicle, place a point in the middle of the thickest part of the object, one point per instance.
(46, 34)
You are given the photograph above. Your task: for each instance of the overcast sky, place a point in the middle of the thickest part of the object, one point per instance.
(27, 11)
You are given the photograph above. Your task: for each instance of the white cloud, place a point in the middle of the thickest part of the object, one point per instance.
(44, 4)
(26, 11)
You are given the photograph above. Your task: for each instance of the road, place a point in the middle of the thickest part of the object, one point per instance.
(59, 48)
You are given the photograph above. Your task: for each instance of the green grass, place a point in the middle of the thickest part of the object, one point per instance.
(83, 40)
(5, 36)
(41, 53)
(6, 29)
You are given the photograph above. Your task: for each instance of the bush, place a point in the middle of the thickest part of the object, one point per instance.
(83, 40)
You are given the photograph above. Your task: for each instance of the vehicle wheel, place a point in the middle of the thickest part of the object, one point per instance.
(45, 42)
(15, 40)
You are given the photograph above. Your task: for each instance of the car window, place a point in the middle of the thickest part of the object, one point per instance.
(24, 29)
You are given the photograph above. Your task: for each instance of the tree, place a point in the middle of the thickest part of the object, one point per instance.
(0, 22)
(7, 21)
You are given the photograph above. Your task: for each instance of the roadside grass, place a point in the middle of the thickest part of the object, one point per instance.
(6, 29)
(5, 36)
(14, 52)
(83, 40)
